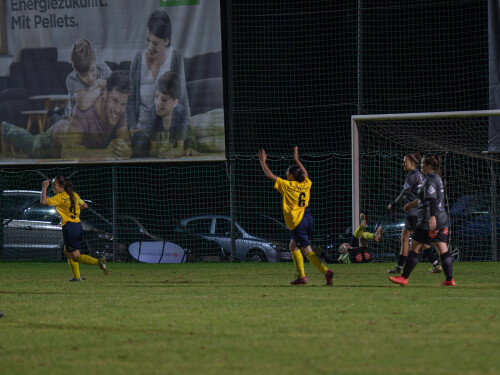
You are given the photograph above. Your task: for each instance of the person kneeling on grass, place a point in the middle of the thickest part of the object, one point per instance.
(296, 192)
(68, 204)
(357, 250)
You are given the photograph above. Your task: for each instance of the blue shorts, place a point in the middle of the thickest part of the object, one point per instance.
(304, 230)
(72, 235)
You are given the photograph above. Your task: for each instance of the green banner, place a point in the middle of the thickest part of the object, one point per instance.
(175, 3)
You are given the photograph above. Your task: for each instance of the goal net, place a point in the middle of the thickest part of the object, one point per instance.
(470, 175)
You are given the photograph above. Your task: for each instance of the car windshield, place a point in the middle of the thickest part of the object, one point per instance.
(102, 218)
(267, 227)
(98, 221)
(201, 225)
(38, 212)
(15, 204)
(480, 204)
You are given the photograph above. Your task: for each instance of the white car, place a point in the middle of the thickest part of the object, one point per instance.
(269, 243)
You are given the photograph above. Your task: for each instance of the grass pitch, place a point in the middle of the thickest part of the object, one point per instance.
(245, 319)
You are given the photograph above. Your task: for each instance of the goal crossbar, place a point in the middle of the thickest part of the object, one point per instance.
(394, 116)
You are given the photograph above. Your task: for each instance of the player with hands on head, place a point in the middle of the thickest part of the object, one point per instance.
(413, 181)
(68, 204)
(296, 193)
(432, 223)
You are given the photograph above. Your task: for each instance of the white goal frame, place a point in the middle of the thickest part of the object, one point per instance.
(394, 116)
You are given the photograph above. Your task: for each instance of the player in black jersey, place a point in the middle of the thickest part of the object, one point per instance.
(413, 181)
(357, 250)
(432, 224)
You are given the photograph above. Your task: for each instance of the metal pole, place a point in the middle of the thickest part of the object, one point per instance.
(360, 57)
(114, 207)
(424, 115)
(232, 208)
(355, 174)
(228, 98)
(354, 128)
(2, 179)
(494, 212)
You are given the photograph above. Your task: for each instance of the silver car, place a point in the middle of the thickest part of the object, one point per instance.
(268, 244)
(33, 231)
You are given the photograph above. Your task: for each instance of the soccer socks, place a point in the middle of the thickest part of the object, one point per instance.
(75, 268)
(447, 264)
(430, 255)
(314, 259)
(87, 259)
(410, 264)
(402, 260)
(359, 232)
(368, 236)
(298, 259)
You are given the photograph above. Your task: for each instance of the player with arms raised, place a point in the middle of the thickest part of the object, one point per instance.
(296, 193)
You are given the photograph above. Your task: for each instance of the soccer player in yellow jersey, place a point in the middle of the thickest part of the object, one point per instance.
(296, 192)
(68, 204)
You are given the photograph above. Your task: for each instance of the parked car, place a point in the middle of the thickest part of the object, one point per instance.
(130, 229)
(33, 231)
(472, 229)
(267, 243)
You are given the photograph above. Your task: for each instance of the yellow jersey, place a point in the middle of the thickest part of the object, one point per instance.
(295, 199)
(63, 206)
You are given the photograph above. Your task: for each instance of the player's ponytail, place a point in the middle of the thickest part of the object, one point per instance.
(414, 158)
(434, 161)
(68, 188)
(296, 172)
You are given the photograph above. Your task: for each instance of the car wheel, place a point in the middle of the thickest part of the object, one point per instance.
(256, 256)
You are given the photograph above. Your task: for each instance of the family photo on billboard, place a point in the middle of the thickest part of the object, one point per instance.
(147, 86)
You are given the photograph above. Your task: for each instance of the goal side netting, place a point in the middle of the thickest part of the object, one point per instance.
(470, 175)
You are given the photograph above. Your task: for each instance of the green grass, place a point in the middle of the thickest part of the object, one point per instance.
(245, 319)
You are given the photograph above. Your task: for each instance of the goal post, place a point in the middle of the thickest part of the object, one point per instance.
(378, 146)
